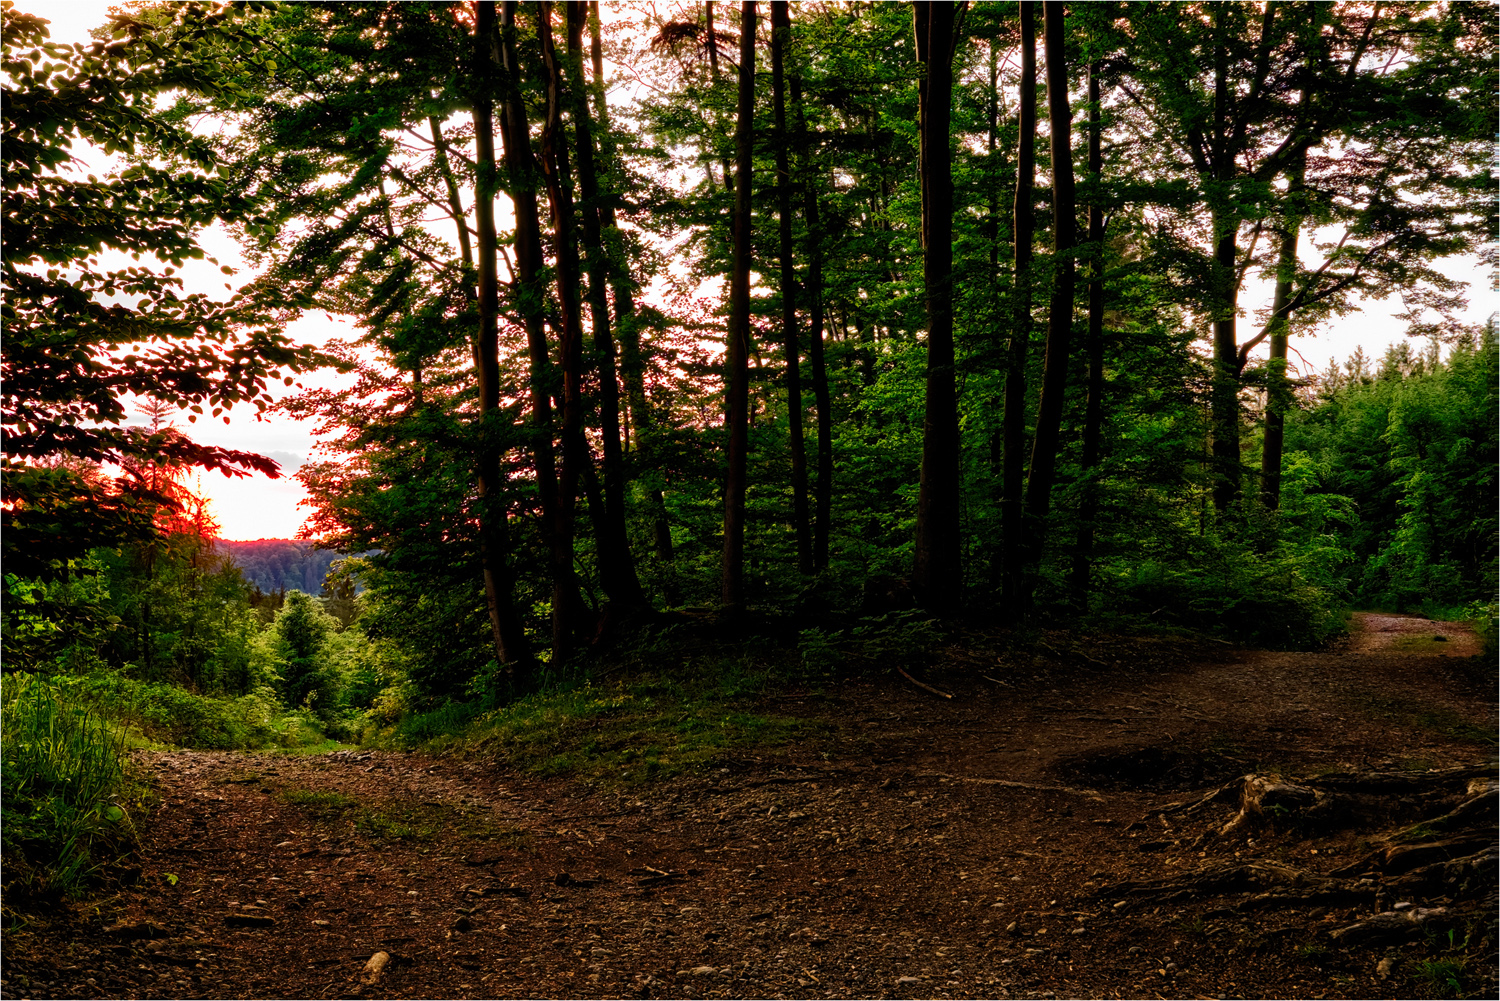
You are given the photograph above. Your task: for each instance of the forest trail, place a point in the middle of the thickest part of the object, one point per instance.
(1030, 837)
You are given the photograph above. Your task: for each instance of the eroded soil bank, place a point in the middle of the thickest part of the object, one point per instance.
(1041, 834)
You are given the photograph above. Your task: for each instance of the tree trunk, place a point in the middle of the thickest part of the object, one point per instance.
(506, 629)
(1225, 394)
(937, 577)
(627, 322)
(781, 30)
(1048, 442)
(565, 619)
(823, 490)
(1093, 418)
(737, 346)
(616, 565)
(1278, 391)
(531, 299)
(1013, 480)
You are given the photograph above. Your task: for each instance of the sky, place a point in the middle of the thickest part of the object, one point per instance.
(258, 507)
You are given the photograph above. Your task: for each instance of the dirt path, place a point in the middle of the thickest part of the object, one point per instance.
(978, 847)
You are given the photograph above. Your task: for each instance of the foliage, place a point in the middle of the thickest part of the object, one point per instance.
(301, 633)
(167, 714)
(67, 787)
(1406, 456)
(328, 139)
(1286, 599)
(84, 333)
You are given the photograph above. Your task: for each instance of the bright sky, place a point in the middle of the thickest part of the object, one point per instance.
(261, 508)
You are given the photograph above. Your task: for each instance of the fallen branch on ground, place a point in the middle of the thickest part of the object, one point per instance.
(919, 684)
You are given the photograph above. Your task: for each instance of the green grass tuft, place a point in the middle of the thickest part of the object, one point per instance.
(1443, 978)
(67, 790)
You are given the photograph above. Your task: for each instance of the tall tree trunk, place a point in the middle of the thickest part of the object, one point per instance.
(737, 346)
(823, 490)
(1040, 478)
(627, 321)
(1013, 481)
(531, 299)
(616, 566)
(1225, 394)
(565, 624)
(1093, 417)
(781, 30)
(1278, 391)
(937, 576)
(506, 628)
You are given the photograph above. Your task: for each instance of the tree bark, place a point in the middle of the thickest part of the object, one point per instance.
(1278, 391)
(823, 490)
(616, 565)
(1093, 418)
(565, 618)
(937, 577)
(1042, 475)
(781, 29)
(531, 300)
(737, 346)
(1225, 393)
(506, 628)
(627, 321)
(1013, 476)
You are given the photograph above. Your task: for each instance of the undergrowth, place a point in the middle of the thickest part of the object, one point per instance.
(67, 789)
(165, 714)
(625, 723)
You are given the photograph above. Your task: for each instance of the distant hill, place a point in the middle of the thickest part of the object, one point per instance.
(274, 564)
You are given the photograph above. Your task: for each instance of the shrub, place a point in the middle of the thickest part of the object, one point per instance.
(1287, 599)
(170, 715)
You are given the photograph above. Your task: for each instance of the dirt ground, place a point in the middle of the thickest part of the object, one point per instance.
(1032, 836)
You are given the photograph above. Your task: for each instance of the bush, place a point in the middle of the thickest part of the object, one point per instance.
(65, 786)
(1288, 599)
(167, 714)
(1486, 619)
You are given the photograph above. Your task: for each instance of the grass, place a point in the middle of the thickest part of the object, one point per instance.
(634, 730)
(400, 820)
(318, 804)
(67, 788)
(1443, 978)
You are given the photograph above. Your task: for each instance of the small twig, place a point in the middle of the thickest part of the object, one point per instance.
(997, 681)
(810, 974)
(921, 685)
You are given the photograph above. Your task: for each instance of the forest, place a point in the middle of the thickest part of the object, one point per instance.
(706, 352)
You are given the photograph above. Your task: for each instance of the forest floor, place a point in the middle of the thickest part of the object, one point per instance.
(1036, 835)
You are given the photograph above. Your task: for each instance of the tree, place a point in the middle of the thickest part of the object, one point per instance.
(494, 543)
(1023, 229)
(938, 575)
(301, 634)
(1094, 349)
(781, 30)
(72, 358)
(737, 338)
(1041, 475)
